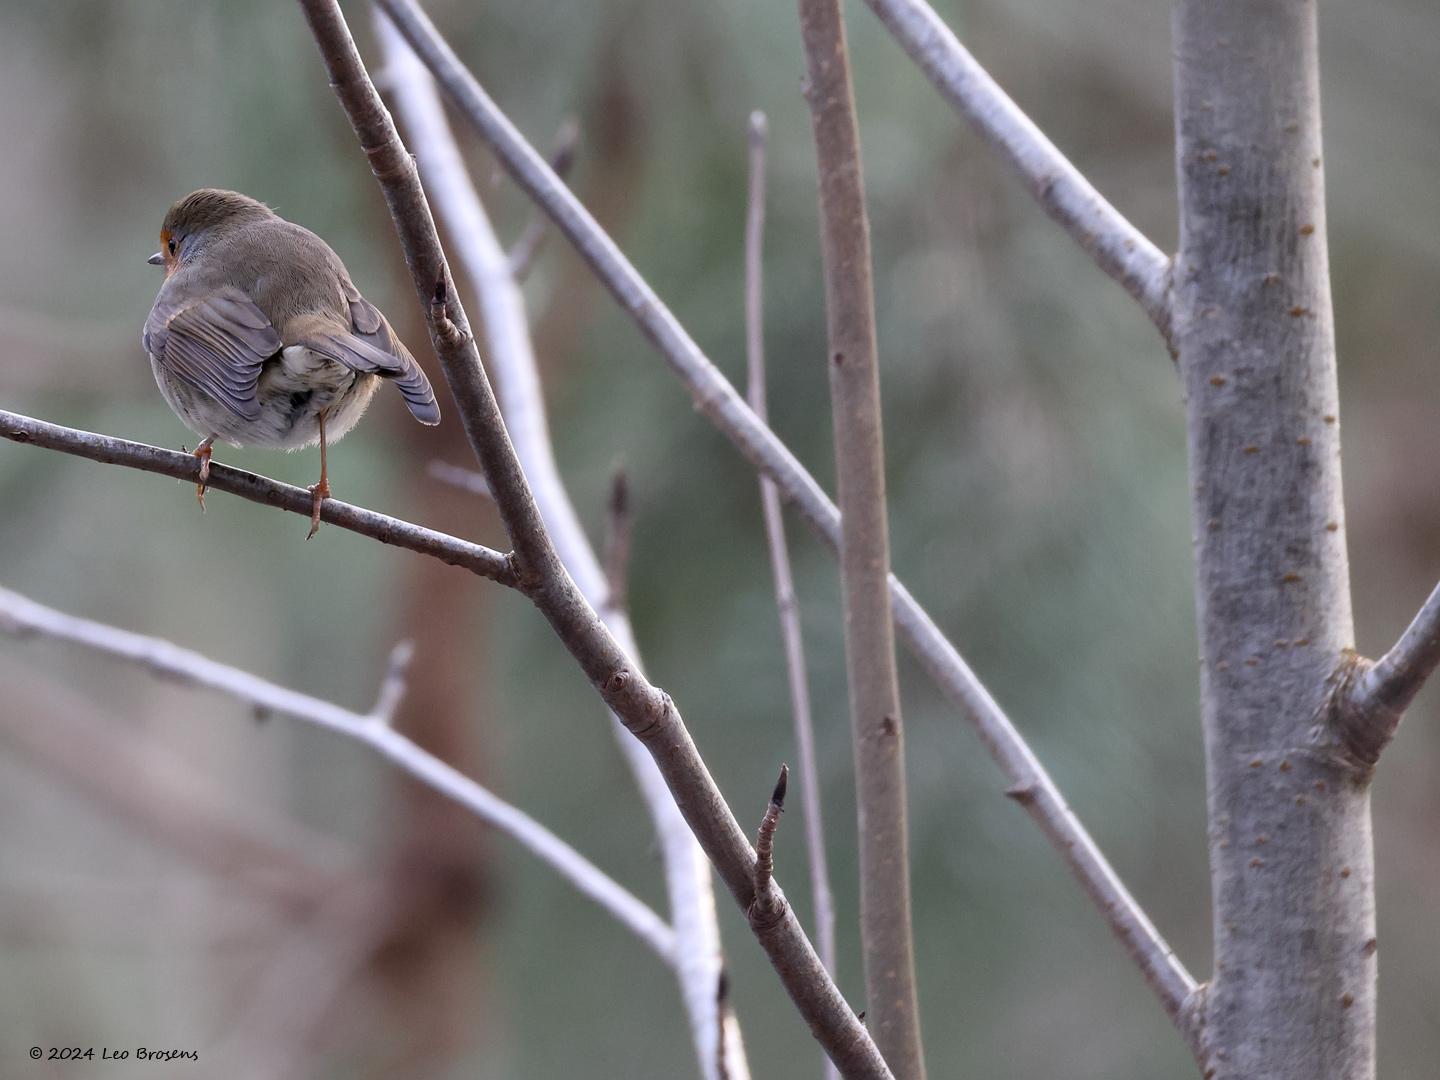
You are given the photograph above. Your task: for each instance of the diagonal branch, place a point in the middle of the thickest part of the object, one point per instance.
(1117, 247)
(506, 332)
(645, 710)
(24, 617)
(877, 730)
(1031, 785)
(480, 560)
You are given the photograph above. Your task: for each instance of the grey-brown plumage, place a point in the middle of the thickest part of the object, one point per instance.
(259, 337)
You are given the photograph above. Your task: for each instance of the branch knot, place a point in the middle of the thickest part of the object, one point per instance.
(1356, 724)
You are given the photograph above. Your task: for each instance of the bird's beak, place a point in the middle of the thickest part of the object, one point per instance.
(156, 260)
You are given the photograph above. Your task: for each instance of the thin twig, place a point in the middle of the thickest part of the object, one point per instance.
(512, 358)
(392, 687)
(718, 401)
(765, 898)
(785, 600)
(877, 731)
(1117, 247)
(521, 256)
(388, 530)
(644, 709)
(457, 476)
(22, 616)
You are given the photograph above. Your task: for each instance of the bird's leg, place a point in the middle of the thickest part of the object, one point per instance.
(321, 491)
(202, 453)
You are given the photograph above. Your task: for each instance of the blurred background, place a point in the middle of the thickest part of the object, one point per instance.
(177, 872)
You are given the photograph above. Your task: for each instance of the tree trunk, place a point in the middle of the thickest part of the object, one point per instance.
(1293, 991)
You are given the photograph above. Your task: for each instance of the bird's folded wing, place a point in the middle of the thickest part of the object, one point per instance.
(216, 345)
(373, 348)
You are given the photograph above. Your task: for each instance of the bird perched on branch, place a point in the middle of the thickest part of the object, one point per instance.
(259, 338)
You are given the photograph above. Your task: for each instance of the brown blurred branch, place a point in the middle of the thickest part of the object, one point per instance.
(877, 731)
(1117, 247)
(785, 601)
(643, 708)
(23, 617)
(307, 979)
(511, 352)
(133, 455)
(521, 256)
(717, 399)
(618, 527)
(133, 778)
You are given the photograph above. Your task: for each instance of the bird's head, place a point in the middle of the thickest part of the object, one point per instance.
(197, 218)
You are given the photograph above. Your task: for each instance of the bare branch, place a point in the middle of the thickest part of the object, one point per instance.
(562, 156)
(388, 530)
(1117, 247)
(22, 617)
(508, 343)
(645, 710)
(877, 731)
(785, 601)
(719, 402)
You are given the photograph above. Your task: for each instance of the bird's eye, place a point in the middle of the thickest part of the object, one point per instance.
(171, 246)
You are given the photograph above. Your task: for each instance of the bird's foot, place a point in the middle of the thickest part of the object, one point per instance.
(318, 494)
(202, 454)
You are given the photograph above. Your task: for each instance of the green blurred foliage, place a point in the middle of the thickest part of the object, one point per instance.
(1037, 478)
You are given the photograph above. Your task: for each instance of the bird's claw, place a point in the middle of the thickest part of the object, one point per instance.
(202, 454)
(318, 494)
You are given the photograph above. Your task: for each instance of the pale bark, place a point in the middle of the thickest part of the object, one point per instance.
(877, 731)
(1292, 871)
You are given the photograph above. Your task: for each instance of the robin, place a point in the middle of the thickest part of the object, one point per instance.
(259, 338)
